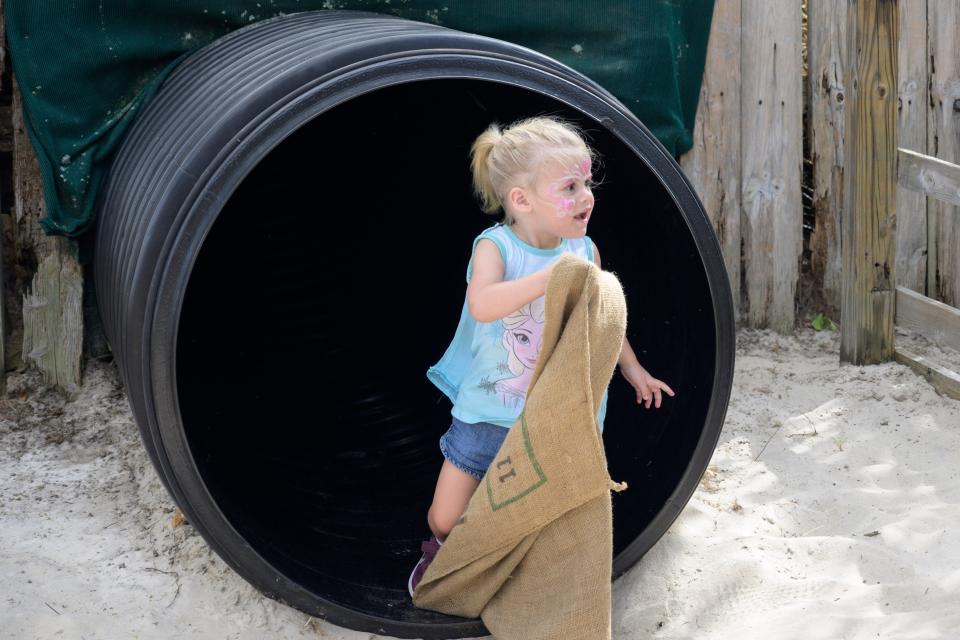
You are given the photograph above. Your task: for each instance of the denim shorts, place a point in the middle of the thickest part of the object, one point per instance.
(472, 447)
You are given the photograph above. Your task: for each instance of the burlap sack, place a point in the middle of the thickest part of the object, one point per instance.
(532, 555)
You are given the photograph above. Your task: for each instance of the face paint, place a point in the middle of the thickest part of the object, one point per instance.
(563, 205)
(562, 192)
(584, 168)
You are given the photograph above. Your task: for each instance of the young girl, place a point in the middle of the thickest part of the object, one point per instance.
(538, 173)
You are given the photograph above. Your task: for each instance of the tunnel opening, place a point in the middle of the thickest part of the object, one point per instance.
(334, 277)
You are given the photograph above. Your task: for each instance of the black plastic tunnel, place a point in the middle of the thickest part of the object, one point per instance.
(280, 255)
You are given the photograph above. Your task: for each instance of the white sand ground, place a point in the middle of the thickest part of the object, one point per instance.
(830, 509)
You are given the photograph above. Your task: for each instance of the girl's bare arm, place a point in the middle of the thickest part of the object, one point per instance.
(489, 297)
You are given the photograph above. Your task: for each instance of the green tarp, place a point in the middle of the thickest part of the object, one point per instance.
(86, 67)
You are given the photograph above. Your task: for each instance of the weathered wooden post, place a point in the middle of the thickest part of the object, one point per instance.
(50, 334)
(6, 140)
(870, 178)
(771, 112)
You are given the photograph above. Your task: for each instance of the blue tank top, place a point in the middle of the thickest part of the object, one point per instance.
(486, 369)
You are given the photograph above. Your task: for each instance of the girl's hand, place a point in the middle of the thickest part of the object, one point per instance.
(648, 388)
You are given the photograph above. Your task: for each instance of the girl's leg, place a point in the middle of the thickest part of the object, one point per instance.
(450, 499)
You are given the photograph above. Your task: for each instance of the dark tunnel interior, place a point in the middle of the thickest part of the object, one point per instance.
(334, 277)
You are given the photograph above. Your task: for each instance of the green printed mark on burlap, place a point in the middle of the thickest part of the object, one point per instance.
(508, 480)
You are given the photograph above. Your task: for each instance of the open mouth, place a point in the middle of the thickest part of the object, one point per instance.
(582, 217)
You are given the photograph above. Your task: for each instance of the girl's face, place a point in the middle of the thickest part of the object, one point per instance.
(563, 197)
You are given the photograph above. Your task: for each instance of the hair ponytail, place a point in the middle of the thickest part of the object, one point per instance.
(483, 187)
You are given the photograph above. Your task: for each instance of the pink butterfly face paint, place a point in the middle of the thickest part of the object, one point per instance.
(565, 191)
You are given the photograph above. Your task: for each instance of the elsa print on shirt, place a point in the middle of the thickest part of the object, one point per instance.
(522, 335)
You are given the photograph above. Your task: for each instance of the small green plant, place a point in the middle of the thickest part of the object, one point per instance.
(822, 322)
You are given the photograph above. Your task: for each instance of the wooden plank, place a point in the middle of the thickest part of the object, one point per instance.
(946, 381)
(27, 206)
(912, 101)
(53, 318)
(713, 164)
(6, 147)
(928, 175)
(771, 222)
(869, 221)
(6, 125)
(943, 220)
(3, 41)
(826, 51)
(50, 335)
(930, 318)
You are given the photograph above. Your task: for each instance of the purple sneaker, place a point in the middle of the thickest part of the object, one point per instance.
(429, 548)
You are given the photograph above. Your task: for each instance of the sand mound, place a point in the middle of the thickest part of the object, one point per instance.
(830, 510)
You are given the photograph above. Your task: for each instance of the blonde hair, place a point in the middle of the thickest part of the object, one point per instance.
(504, 158)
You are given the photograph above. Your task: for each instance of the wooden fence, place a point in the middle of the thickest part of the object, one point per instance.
(767, 112)
(768, 162)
